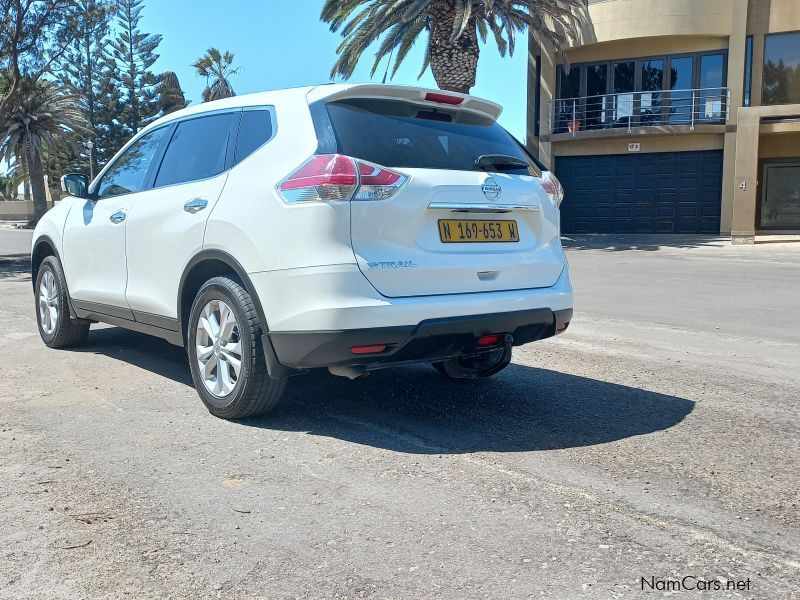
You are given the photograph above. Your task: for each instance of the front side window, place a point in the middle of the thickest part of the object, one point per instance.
(197, 149)
(127, 174)
(781, 68)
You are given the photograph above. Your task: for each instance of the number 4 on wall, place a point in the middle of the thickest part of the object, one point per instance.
(743, 185)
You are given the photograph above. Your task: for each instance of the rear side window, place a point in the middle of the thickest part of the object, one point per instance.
(197, 149)
(255, 130)
(394, 133)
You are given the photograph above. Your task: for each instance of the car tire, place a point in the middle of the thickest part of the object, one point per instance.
(480, 366)
(56, 327)
(224, 330)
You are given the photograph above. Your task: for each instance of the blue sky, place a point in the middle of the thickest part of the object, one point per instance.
(280, 45)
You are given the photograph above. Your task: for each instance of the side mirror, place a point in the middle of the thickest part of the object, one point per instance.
(75, 184)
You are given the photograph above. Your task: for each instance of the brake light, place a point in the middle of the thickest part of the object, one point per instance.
(552, 186)
(335, 177)
(443, 98)
(324, 177)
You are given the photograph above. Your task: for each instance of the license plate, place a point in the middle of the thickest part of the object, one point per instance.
(459, 231)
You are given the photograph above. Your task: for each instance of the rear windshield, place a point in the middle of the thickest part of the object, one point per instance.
(394, 133)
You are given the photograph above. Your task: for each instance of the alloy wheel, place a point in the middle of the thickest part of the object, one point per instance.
(219, 348)
(48, 303)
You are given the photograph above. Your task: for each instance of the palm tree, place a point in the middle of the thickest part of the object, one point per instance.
(216, 66)
(170, 94)
(453, 27)
(42, 117)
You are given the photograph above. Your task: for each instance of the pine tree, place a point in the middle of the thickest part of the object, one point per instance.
(133, 54)
(82, 68)
(111, 132)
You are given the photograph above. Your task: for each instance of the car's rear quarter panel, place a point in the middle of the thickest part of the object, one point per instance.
(252, 223)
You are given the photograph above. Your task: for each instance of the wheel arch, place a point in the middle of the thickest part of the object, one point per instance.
(42, 248)
(201, 268)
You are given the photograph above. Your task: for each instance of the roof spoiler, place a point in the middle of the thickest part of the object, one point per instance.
(439, 98)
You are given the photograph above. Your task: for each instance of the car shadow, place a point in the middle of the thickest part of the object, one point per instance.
(15, 266)
(640, 242)
(413, 409)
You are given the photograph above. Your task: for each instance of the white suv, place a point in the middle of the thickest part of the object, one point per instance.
(352, 227)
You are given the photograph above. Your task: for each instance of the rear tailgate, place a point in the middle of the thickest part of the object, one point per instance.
(399, 247)
(452, 228)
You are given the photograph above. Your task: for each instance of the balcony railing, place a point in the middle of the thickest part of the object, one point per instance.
(633, 110)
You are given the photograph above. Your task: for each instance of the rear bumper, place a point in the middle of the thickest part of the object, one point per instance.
(428, 341)
(316, 315)
(339, 297)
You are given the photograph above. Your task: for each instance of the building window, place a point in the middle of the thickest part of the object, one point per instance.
(681, 80)
(748, 69)
(711, 95)
(781, 68)
(780, 195)
(652, 104)
(634, 92)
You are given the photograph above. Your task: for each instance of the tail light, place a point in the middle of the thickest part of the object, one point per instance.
(336, 177)
(552, 186)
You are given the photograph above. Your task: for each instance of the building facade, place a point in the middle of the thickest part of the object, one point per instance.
(674, 116)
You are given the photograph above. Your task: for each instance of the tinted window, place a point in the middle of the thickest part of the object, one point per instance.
(570, 83)
(127, 174)
(401, 134)
(748, 69)
(197, 150)
(681, 80)
(624, 79)
(255, 130)
(711, 94)
(596, 88)
(652, 84)
(782, 68)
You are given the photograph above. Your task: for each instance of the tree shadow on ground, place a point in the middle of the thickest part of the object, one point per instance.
(15, 266)
(640, 242)
(414, 410)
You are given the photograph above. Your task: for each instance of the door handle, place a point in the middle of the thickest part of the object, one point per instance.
(118, 217)
(196, 205)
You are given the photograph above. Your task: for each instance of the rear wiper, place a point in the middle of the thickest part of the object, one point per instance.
(500, 162)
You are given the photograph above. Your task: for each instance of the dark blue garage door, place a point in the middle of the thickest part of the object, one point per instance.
(669, 192)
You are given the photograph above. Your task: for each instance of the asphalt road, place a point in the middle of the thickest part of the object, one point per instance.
(657, 438)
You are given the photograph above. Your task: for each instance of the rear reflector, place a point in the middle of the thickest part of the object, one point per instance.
(335, 177)
(489, 340)
(562, 327)
(443, 98)
(368, 349)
